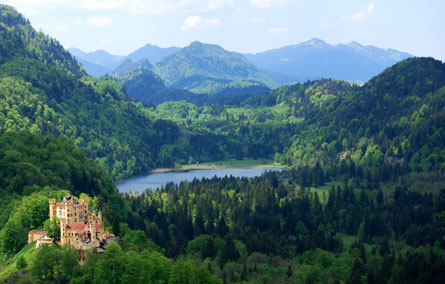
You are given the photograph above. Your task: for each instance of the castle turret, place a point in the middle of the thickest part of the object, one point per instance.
(93, 234)
(63, 234)
(52, 208)
(99, 217)
(85, 210)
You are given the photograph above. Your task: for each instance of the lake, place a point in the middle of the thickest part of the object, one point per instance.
(156, 180)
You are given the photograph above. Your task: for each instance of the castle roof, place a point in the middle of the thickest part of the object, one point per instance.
(81, 227)
(70, 198)
(40, 232)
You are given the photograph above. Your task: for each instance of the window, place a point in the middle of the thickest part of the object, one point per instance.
(75, 220)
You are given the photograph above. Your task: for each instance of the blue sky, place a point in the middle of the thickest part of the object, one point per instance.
(121, 26)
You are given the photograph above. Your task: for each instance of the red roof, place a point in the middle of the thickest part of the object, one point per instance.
(81, 227)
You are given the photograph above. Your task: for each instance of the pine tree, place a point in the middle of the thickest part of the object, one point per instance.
(209, 249)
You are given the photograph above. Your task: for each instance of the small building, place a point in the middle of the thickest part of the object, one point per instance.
(34, 235)
(44, 240)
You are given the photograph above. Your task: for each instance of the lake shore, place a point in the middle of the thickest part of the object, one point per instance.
(239, 164)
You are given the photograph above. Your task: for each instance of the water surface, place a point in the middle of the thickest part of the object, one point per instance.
(156, 180)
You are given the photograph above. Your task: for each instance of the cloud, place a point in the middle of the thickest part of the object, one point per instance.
(132, 6)
(362, 15)
(100, 21)
(278, 30)
(197, 22)
(157, 6)
(326, 25)
(266, 4)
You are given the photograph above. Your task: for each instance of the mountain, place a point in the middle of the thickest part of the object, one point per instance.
(317, 59)
(43, 90)
(200, 67)
(99, 62)
(144, 86)
(151, 52)
(395, 120)
(96, 63)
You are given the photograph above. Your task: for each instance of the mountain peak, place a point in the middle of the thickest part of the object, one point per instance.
(354, 44)
(315, 42)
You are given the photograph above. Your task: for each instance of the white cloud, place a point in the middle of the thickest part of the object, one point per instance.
(266, 4)
(197, 22)
(132, 6)
(364, 14)
(278, 30)
(157, 6)
(326, 25)
(100, 21)
(34, 2)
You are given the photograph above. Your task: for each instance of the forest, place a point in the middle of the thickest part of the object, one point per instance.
(362, 201)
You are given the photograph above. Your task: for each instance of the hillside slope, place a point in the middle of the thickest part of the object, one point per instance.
(44, 90)
(199, 66)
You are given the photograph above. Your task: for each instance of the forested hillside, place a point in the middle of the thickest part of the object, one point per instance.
(44, 90)
(202, 67)
(395, 121)
(34, 168)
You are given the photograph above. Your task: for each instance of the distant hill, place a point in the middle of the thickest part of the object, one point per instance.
(144, 86)
(151, 52)
(317, 59)
(200, 67)
(100, 62)
(96, 63)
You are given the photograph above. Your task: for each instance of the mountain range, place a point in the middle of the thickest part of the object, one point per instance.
(316, 58)
(308, 60)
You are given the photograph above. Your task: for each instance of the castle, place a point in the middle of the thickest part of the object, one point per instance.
(78, 228)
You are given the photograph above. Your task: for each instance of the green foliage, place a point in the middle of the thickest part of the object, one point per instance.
(21, 263)
(207, 64)
(35, 168)
(43, 90)
(12, 237)
(53, 228)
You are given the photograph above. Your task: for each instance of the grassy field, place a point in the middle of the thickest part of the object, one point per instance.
(225, 164)
(323, 191)
(245, 163)
(8, 268)
(348, 240)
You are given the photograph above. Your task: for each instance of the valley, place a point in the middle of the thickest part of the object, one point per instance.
(362, 199)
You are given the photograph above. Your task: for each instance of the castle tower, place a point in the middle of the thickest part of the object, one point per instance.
(63, 233)
(52, 208)
(93, 234)
(85, 212)
(101, 233)
(99, 217)
(93, 217)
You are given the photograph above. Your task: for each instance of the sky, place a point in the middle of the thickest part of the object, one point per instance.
(249, 26)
